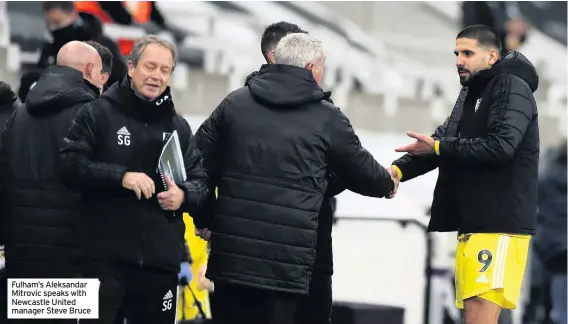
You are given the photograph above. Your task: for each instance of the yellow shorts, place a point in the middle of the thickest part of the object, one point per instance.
(491, 266)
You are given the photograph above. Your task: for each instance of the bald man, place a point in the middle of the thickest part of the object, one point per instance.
(38, 215)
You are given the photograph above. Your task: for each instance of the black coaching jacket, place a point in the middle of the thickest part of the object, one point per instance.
(117, 133)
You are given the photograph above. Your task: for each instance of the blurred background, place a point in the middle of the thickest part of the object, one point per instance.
(390, 67)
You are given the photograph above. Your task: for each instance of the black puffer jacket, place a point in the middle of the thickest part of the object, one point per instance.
(42, 216)
(268, 148)
(324, 247)
(122, 132)
(489, 152)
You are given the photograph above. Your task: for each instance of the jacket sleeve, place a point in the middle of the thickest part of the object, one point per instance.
(208, 143)
(511, 112)
(412, 166)
(195, 187)
(77, 166)
(348, 157)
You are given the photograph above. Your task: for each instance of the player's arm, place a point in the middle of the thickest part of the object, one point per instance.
(411, 166)
(510, 115)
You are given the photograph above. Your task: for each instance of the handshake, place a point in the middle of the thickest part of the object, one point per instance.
(424, 145)
(396, 179)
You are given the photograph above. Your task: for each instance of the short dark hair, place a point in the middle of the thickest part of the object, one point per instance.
(485, 36)
(274, 33)
(67, 6)
(104, 53)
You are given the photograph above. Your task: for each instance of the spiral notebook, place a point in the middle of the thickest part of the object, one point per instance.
(171, 161)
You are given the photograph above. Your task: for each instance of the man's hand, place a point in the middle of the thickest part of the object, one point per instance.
(204, 234)
(140, 183)
(396, 180)
(424, 145)
(173, 198)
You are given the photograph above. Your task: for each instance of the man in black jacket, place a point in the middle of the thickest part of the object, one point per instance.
(316, 307)
(65, 24)
(134, 242)
(268, 148)
(40, 216)
(487, 153)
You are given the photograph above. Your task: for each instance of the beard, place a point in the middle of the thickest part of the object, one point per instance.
(464, 79)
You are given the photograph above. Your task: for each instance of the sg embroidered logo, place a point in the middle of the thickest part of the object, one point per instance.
(123, 136)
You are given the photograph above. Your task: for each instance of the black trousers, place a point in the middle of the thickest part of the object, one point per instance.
(235, 304)
(143, 295)
(316, 307)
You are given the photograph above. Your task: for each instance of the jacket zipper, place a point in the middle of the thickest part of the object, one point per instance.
(145, 214)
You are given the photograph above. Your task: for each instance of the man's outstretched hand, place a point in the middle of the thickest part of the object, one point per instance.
(424, 145)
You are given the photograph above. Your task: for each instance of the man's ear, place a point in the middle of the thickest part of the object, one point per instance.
(271, 57)
(89, 70)
(493, 57)
(310, 66)
(105, 76)
(130, 68)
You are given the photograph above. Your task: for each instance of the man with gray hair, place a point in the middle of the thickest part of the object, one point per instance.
(267, 148)
(133, 242)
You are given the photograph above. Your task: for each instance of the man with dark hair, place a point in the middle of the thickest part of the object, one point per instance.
(272, 180)
(273, 34)
(65, 24)
(487, 153)
(317, 306)
(106, 57)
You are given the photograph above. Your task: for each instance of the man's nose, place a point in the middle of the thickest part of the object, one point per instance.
(460, 61)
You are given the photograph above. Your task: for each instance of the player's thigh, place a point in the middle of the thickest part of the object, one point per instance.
(480, 311)
(494, 268)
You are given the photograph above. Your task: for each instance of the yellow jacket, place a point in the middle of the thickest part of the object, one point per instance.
(198, 251)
